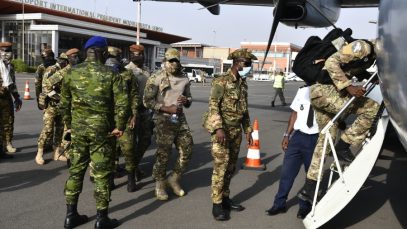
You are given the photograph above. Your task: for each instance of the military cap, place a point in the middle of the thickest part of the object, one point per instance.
(63, 56)
(136, 48)
(172, 54)
(96, 41)
(47, 52)
(5, 44)
(72, 51)
(241, 53)
(114, 51)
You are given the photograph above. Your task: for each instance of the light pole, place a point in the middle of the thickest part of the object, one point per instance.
(23, 39)
(138, 21)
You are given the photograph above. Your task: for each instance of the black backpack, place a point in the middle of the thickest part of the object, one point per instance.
(314, 49)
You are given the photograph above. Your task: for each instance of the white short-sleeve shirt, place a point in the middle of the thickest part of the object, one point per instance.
(301, 105)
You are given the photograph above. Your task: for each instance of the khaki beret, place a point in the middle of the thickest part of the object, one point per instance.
(114, 51)
(63, 56)
(136, 48)
(72, 51)
(172, 54)
(5, 44)
(241, 53)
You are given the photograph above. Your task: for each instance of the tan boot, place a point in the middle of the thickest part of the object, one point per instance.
(58, 155)
(38, 159)
(173, 182)
(10, 148)
(160, 192)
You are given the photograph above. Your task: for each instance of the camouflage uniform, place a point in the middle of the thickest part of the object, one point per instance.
(38, 79)
(227, 110)
(328, 99)
(126, 142)
(144, 126)
(160, 88)
(94, 101)
(7, 108)
(52, 118)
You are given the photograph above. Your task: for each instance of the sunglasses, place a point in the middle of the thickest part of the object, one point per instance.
(173, 61)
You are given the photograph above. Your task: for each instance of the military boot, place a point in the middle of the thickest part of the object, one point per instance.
(228, 204)
(112, 186)
(308, 191)
(131, 181)
(272, 104)
(173, 182)
(343, 151)
(73, 219)
(38, 159)
(58, 155)
(10, 148)
(104, 222)
(4, 155)
(219, 213)
(160, 192)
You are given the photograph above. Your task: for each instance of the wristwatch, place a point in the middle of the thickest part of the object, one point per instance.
(286, 134)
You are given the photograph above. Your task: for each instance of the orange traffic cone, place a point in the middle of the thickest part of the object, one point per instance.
(27, 91)
(253, 161)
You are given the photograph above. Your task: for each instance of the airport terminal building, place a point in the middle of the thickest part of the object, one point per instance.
(62, 27)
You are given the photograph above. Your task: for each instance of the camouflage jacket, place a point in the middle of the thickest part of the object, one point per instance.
(228, 103)
(38, 79)
(50, 71)
(133, 88)
(163, 89)
(356, 50)
(11, 89)
(55, 80)
(142, 76)
(94, 99)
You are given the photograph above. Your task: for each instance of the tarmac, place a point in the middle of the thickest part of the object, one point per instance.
(31, 196)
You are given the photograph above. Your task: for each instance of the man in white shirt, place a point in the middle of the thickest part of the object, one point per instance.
(298, 144)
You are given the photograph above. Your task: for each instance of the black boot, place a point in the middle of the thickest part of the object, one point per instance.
(73, 219)
(308, 191)
(4, 155)
(228, 204)
(219, 213)
(343, 151)
(131, 181)
(104, 222)
(272, 104)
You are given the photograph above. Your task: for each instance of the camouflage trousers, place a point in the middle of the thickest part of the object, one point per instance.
(125, 146)
(100, 152)
(6, 119)
(143, 133)
(53, 127)
(327, 102)
(166, 134)
(224, 162)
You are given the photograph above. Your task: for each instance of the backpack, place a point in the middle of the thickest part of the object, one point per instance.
(314, 49)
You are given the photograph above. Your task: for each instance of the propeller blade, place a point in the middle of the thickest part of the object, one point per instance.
(213, 8)
(276, 20)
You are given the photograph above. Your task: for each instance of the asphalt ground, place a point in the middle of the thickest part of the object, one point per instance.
(31, 196)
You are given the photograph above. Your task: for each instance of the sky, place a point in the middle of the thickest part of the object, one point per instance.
(235, 24)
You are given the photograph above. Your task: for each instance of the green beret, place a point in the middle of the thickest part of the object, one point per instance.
(241, 53)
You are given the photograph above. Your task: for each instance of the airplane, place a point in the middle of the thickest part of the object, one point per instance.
(391, 60)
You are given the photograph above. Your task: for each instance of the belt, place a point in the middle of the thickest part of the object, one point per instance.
(231, 123)
(300, 132)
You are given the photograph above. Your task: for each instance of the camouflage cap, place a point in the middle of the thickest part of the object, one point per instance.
(63, 56)
(114, 51)
(241, 53)
(5, 44)
(136, 48)
(72, 51)
(172, 54)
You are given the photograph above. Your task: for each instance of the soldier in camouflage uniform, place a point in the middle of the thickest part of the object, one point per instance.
(49, 101)
(329, 96)
(94, 101)
(55, 82)
(48, 59)
(228, 115)
(144, 130)
(125, 144)
(8, 92)
(166, 92)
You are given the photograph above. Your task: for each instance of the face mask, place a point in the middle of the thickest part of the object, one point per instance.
(74, 60)
(172, 68)
(49, 61)
(6, 56)
(245, 72)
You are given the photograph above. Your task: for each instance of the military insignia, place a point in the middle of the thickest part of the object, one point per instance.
(301, 107)
(357, 47)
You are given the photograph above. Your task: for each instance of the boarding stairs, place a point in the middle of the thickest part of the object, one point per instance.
(351, 177)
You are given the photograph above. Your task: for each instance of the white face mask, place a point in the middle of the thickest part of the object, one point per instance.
(245, 72)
